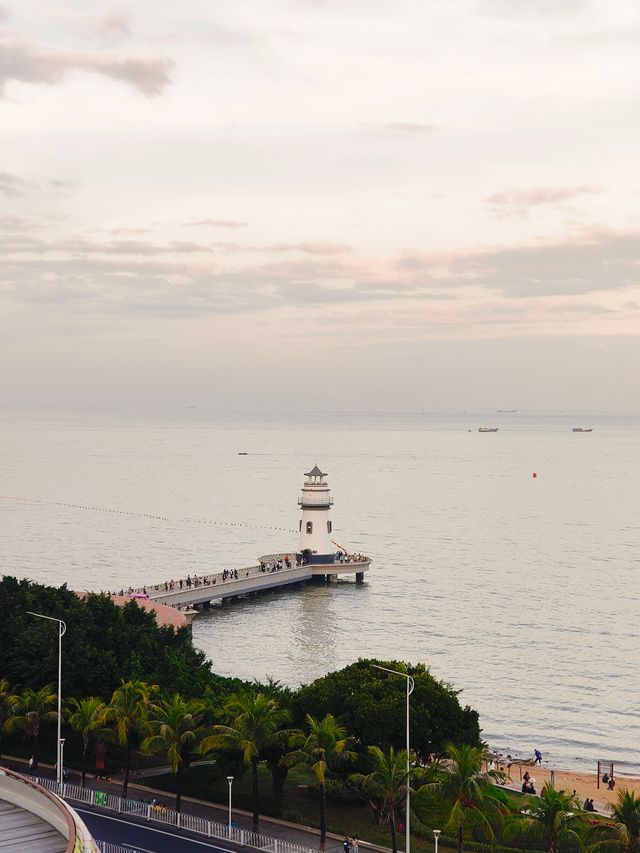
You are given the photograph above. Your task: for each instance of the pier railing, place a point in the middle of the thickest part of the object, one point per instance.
(223, 582)
(153, 811)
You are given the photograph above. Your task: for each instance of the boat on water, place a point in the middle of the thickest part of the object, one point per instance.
(506, 411)
(582, 429)
(488, 429)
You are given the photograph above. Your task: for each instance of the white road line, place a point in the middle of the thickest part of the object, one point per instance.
(153, 829)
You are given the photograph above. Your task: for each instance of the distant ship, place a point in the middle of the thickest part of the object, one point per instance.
(488, 429)
(506, 411)
(582, 429)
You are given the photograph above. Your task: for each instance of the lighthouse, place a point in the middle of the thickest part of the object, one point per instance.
(315, 543)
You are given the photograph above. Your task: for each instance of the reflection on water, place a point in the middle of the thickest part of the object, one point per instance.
(523, 592)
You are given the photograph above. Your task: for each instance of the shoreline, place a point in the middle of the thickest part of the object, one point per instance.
(583, 783)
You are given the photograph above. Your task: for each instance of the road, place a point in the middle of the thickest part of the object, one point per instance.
(141, 838)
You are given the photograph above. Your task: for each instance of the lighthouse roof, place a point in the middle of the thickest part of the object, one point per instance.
(315, 472)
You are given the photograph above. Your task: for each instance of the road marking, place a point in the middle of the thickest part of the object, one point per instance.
(153, 829)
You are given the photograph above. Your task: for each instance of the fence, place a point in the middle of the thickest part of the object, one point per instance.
(179, 820)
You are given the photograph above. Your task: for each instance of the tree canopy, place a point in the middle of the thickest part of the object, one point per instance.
(371, 705)
(103, 644)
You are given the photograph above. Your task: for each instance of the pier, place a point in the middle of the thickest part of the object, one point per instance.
(317, 557)
(190, 592)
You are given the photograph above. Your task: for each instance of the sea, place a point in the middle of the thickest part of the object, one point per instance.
(521, 591)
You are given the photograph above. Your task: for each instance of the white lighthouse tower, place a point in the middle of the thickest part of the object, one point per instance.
(315, 543)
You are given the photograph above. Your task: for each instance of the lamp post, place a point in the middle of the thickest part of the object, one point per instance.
(230, 781)
(410, 686)
(436, 835)
(62, 627)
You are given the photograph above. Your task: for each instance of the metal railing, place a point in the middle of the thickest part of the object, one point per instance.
(160, 814)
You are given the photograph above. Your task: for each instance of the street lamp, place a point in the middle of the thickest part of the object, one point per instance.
(61, 631)
(62, 758)
(410, 686)
(436, 835)
(230, 781)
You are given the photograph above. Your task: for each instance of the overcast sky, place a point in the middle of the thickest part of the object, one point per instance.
(320, 203)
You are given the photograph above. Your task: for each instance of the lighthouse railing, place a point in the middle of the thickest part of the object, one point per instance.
(315, 499)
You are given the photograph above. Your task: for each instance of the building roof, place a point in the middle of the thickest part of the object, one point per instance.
(165, 615)
(315, 472)
(22, 830)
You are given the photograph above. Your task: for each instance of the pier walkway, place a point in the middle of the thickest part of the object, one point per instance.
(273, 570)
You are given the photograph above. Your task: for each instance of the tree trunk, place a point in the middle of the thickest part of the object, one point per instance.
(83, 767)
(125, 781)
(35, 751)
(256, 796)
(178, 787)
(278, 778)
(323, 816)
(392, 827)
(460, 839)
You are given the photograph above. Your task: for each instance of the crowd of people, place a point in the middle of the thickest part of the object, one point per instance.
(275, 563)
(527, 783)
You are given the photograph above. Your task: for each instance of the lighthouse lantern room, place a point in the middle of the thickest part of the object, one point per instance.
(315, 543)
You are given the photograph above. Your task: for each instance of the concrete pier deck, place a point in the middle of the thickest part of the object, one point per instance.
(198, 589)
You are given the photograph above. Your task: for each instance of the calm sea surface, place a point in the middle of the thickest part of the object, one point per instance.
(522, 592)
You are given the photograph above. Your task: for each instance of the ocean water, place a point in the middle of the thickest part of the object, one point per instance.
(522, 592)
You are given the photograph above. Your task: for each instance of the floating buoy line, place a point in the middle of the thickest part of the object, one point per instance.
(147, 515)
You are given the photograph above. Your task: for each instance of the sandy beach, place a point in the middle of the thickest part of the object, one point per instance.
(584, 784)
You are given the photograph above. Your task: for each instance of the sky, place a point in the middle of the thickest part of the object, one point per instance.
(320, 204)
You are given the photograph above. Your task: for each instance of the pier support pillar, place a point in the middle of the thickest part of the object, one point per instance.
(332, 578)
(359, 577)
(190, 614)
(206, 605)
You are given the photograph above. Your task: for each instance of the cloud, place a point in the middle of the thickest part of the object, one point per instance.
(27, 62)
(518, 202)
(14, 186)
(569, 283)
(410, 127)
(532, 9)
(113, 25)
(308, 248)
(597, 260)
(215, 223)
(13, 223)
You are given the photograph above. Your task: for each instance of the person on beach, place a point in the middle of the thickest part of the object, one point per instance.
(538, 756)
(526, 777)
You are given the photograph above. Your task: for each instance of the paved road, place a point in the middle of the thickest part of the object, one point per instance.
(140, 838)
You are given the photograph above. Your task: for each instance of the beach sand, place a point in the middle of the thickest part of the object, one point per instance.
(584, 784)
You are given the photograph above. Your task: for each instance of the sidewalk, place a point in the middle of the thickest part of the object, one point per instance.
(280, 829)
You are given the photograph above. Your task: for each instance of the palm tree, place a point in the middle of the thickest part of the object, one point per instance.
(8, 704)
(253, 722)
(87, 717)
(385, 788)
(624, 834)
(176, 731)
(34, 709)
(128, 710)
(323, 747)
(626, 811)
(549, 820)
(468, 789)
